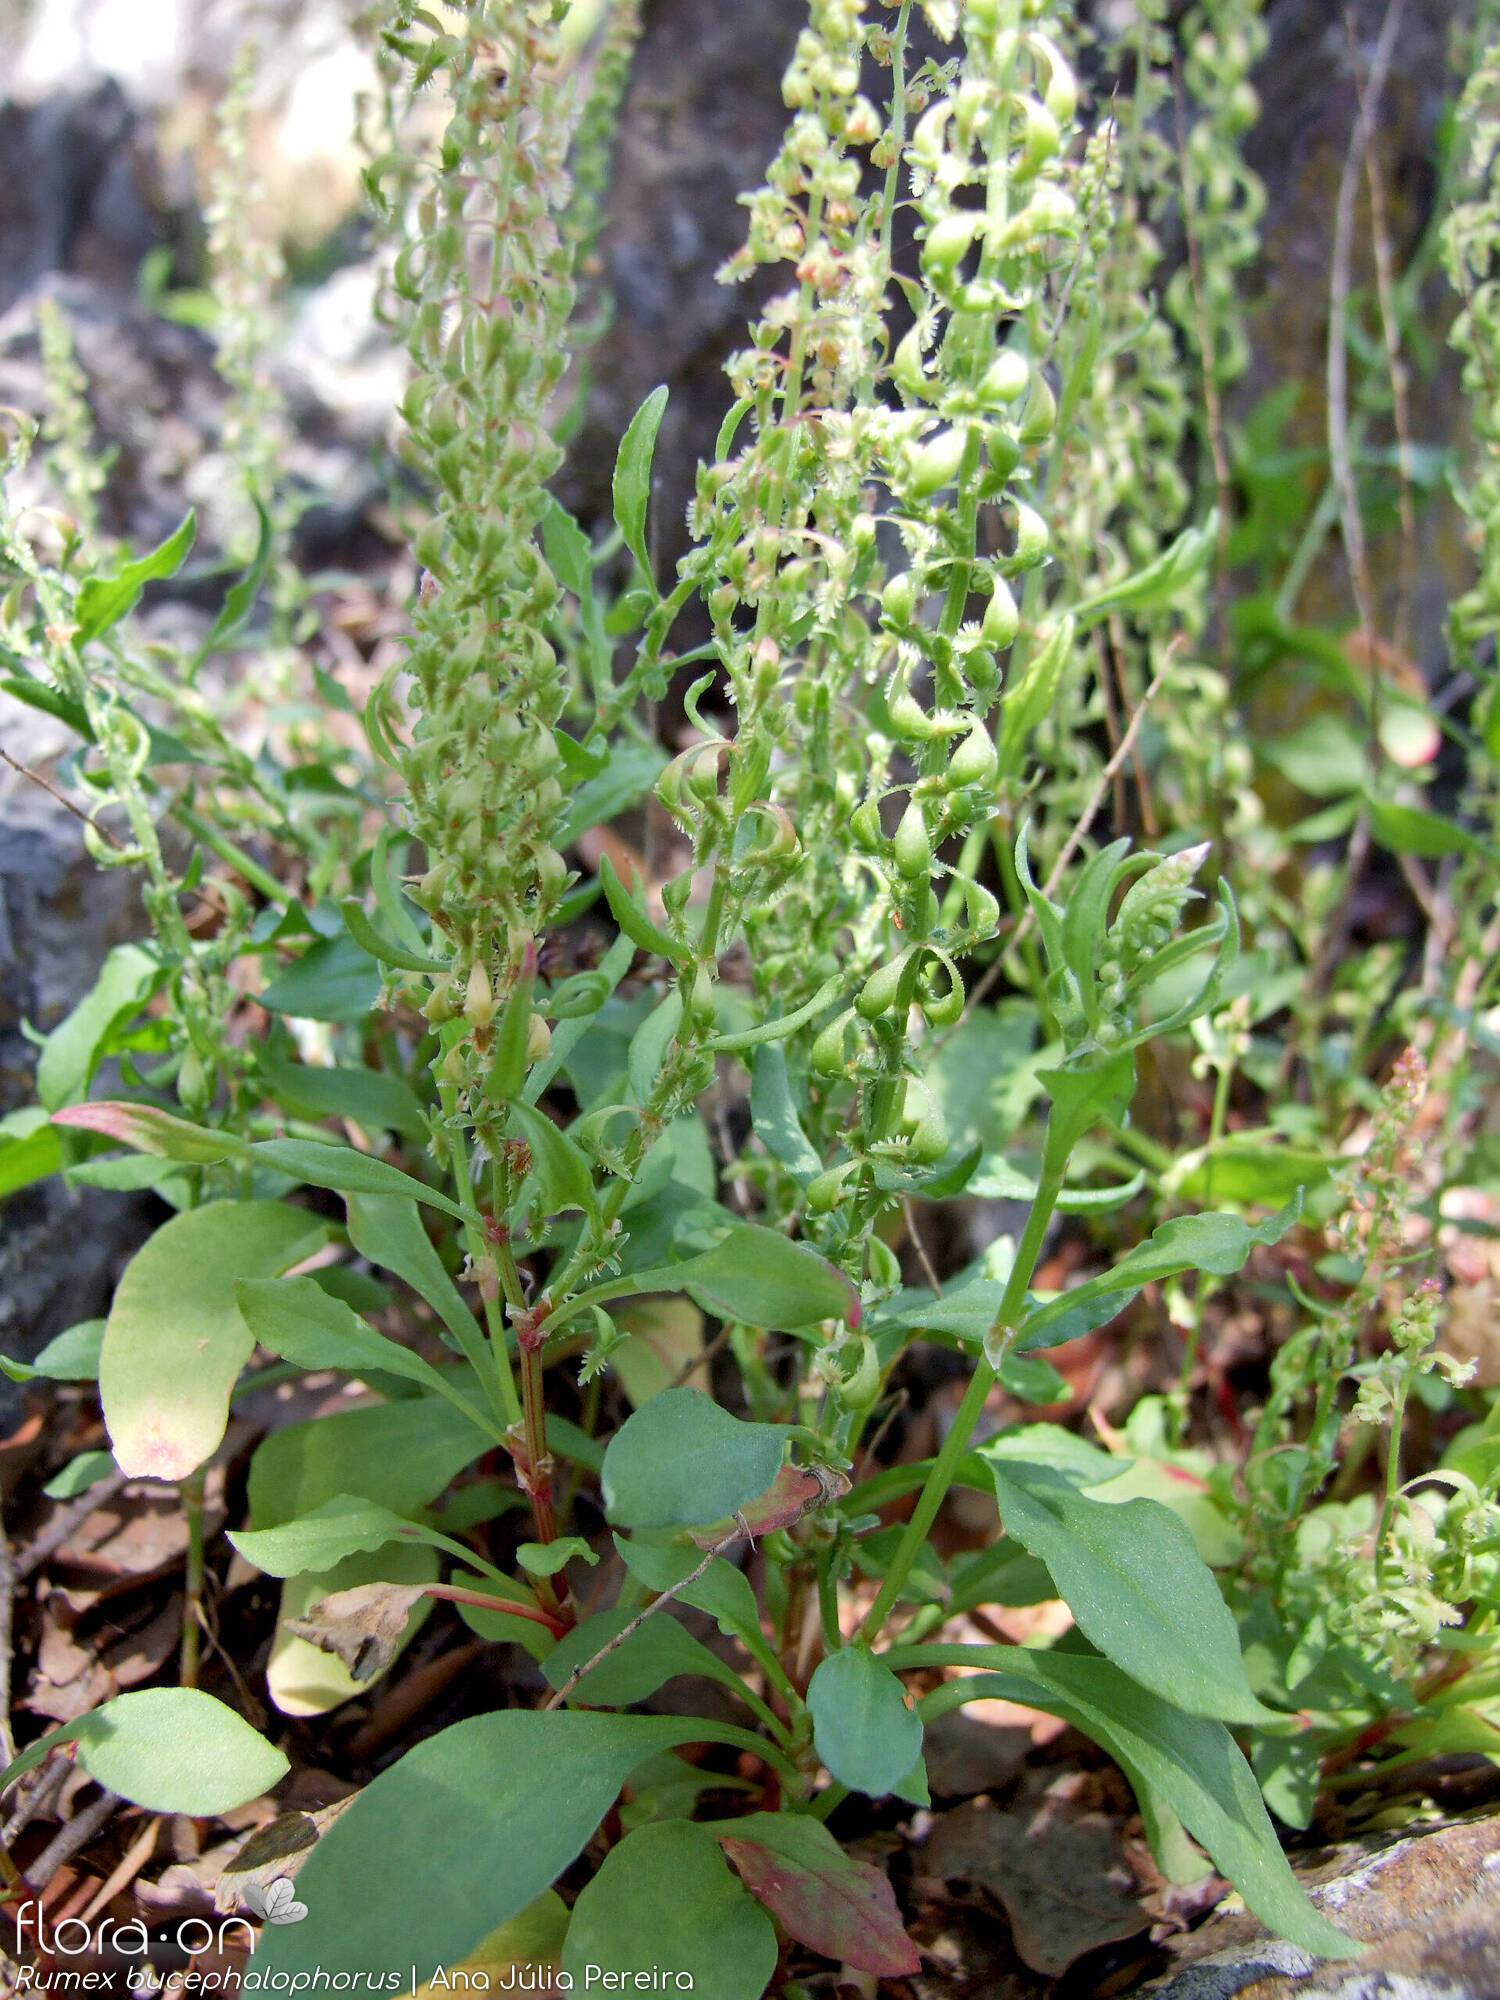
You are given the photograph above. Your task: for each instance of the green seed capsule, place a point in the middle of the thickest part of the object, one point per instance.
(1031, 536)
(1040, 419)
(1005, 379)
(935, 464)
(827, 1052)
(861, 1383)
(929, 1142)
(945, 1009)
(975, 761)
(945, 247)
(879, 993)
(898, 600)
(864, 824)
(824, 1190)
(538, 1039)
(907, 371)
(913, 849)
(1001, 618)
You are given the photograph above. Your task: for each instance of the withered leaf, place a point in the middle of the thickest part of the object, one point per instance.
(274, 1852)
(363, 1626)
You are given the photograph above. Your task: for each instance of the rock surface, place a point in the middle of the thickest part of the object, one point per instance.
(1428, 1907)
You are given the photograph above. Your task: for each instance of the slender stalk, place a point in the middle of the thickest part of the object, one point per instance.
(945, 1467)
(192, 1615)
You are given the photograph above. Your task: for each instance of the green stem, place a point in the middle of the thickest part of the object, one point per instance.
(945, 1467)
(504, 1385)
(192, 1622)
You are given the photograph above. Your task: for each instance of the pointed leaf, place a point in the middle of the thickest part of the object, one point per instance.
(1132, 1577)
(174, 1341)
(335, 979)
(632, 480)
(72, 1051)
(561, 1168)
(864, 1731)
(378, 1102)
(1190, 1761)
(1218, 1242)
(666, 1897)
(461, 1835)
(104, 600)
(150, 1130)
(387, 1229)
(657, 1652)
(823, 1898)
(759, 1276)
(296, 1318)
(340, 1167)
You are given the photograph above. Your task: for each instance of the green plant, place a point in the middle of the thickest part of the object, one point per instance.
(896, 718)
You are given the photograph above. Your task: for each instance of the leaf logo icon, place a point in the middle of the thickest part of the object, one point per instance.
(276, 1903)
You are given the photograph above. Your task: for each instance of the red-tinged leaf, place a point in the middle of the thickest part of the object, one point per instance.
(819, 1894)
(794, 1491)
(150, 1130)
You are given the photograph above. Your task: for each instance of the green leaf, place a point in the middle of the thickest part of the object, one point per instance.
(630, 915)
(375, 1101)
(632, 770)
(79, 1474)
(547, 1558)
(1218, 1242)
(820, 1895)
(1409, 830)
(375, 945)
(296, 1318)
(1032, 696)
(174, 1341)
(680, 1460)
(862, 1727)
(460, 1836)
(388, 1230)
(240, 597)
(73, 1050)
(342, 1526)
(1189, 1761)
(650, 1042)
(632, 480)
(168, 1749)
(399, 1455)
(666, 1897)
(150, 1130)
(340, 1167)
(658, 1651)
(104, 600)
(333, 980)
(560, 1167)
(773, 1113)
(30, 1150)
(1133, 1579)
(72, 1357)
(722, 1591)
(759, 1276)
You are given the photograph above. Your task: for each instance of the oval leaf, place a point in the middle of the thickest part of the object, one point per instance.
(681, 1460)
(864, 1731)
(174, 1340)
(843, 1908)
(665, 1897)
(171, 1750)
